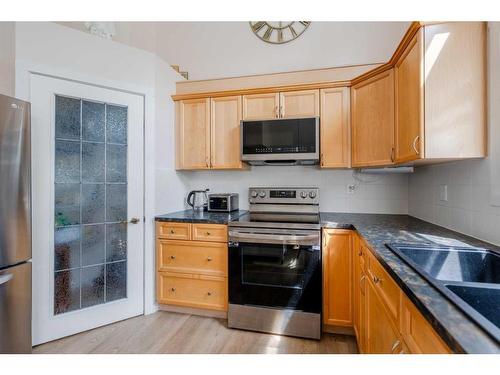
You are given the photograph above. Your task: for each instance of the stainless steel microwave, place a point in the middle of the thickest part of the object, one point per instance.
(280, 141)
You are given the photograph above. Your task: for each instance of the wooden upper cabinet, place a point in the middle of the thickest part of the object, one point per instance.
(193, 136)
(455, 90)
(225, 132)
(337, 277)
(261, 106)
(409, 101)
(296, 104)
(372, 121)
(335, 128)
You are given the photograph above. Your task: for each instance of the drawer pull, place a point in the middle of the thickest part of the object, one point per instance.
(209, 293)
(172, 256)
(208, 233)
(172, 231)
(209, 259)
(172, 289)
(396, 345)
(360, 252)
(376, 280)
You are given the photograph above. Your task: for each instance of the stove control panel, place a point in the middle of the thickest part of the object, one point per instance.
(303, 195)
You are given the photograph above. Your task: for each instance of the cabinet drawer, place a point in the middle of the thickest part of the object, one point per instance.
(192, 257)
(385, 286)
(173, 231)
(418, 334)
(203, 292)
(209, 232)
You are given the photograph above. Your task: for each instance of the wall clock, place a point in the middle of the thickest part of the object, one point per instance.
(278, 32)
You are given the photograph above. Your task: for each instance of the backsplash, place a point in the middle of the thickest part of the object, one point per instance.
(468, 208)
(383, 194)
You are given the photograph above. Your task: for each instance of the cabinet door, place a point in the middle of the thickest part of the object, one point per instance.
(261, 106)
(225, 133)
(296, 104)
(382, 335)
(193, 134)
(418, 334)
(409, 101)
(337, 277)
(372, 121)
(335, 128)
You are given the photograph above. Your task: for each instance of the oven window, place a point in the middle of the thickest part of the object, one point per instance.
(279, 136)
(274, 265)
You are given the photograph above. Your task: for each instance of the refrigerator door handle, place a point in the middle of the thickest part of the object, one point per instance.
(5, 278)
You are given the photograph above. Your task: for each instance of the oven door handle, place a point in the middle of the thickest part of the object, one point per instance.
(308, 239)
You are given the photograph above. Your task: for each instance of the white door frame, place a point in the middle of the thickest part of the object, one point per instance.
(46, 326)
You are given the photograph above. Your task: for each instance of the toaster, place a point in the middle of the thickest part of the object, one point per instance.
(224, 202)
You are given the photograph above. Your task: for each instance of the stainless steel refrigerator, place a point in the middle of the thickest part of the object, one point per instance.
(15, 226)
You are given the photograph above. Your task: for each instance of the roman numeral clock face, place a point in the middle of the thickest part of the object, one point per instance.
(278, 32)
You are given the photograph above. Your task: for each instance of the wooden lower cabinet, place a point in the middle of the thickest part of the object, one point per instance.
(197, 291)
(382, 336)
(359, 293)
(418, 334)
(337, 277)
(192, 271)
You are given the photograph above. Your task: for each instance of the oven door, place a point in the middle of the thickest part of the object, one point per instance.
(275, 268)
(280, 140)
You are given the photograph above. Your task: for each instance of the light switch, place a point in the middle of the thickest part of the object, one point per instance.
(443, 193)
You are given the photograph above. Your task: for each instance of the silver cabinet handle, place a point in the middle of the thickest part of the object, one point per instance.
(362, 284)
(396, 345)
(282, 113)
(415, 145)
(276, 112)
(4, 279)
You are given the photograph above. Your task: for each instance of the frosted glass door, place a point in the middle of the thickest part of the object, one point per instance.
(90, 212)
(88, 232)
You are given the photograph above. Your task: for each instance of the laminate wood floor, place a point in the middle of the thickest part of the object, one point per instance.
(166, 332)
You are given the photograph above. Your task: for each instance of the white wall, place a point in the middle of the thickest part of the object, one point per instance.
(473, 205)
(227, 49)
(384, 193)
(7, 58)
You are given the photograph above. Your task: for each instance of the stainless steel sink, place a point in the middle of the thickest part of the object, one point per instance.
(469, 277)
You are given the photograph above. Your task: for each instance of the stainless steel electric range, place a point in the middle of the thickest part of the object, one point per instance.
(275, 263)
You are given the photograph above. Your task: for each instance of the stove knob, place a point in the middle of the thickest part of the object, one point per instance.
(303, 194)
(254, 194)
(312, 194)
(262, 194)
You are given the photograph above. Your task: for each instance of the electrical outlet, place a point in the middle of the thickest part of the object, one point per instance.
(351, 189)
(443, 193)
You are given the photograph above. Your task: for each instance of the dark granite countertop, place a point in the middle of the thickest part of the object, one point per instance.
(190, 216)
(456, 329)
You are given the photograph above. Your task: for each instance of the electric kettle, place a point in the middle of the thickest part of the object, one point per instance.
(198, 199)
